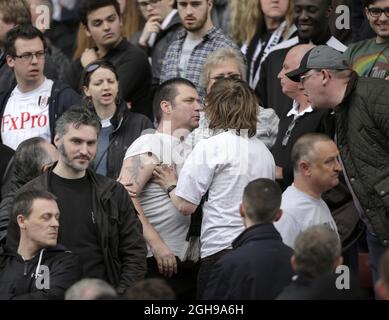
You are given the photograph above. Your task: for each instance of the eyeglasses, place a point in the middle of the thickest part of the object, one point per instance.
(144, 4)
(376, 12)
(232, 76)
(27, 57)
(302, 78)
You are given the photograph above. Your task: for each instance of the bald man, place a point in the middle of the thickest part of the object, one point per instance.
(299, 120)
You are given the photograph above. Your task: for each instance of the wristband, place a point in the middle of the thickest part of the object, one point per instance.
(170, 189)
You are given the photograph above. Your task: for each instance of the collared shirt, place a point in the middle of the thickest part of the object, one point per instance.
(295, 110)
(168, 18)
(214, 39)
(332, 42)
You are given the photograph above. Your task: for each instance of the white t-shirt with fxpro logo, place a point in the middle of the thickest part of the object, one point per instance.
(26, 115)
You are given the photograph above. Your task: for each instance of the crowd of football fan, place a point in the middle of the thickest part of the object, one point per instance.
(194, 149)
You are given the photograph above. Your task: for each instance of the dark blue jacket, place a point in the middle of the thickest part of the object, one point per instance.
(258, 267)
(62, 97)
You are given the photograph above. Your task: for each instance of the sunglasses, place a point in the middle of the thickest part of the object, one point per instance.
(95, 65)
(92, 67)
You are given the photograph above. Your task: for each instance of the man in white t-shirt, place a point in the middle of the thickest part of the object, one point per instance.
(177, 108)
(31, 108)
(316, 170)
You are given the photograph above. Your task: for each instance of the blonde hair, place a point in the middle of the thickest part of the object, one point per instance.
(219, 56)
(16, 11)
(247, 19)
(132, 19)
(232, 104)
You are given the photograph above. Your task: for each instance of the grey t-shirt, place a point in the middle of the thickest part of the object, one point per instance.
(100, 162)
(171, 225)
(301, 211)
(187, 49)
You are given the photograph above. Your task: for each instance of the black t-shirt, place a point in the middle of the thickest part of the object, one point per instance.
(77, 230)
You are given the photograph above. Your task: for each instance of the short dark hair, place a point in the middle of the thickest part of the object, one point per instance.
(167, 91)
(328, 3)
(369, 2)
(23, 201)
(16, 12)
(262, 200)
(77, 116)
(25, 31)
(316, 249)
(91, 5)
(29, 159)
(304, 147)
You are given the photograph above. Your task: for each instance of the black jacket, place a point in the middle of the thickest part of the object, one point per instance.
(316, 121)
(62, 97)
(362, 128)
(258, 267)
(134, 73)
(269, 88)
(128, 126)
(17, 277)
(6, 154)
(118, 229)
(298, 289)
(6, 205)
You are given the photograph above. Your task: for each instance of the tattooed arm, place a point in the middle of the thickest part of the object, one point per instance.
(135, 173)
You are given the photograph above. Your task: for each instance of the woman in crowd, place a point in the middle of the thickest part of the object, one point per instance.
(228, 63)
(120, 126)
(260, 25)
(220, 166)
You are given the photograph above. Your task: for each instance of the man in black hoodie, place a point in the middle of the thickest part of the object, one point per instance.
(40, 268)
